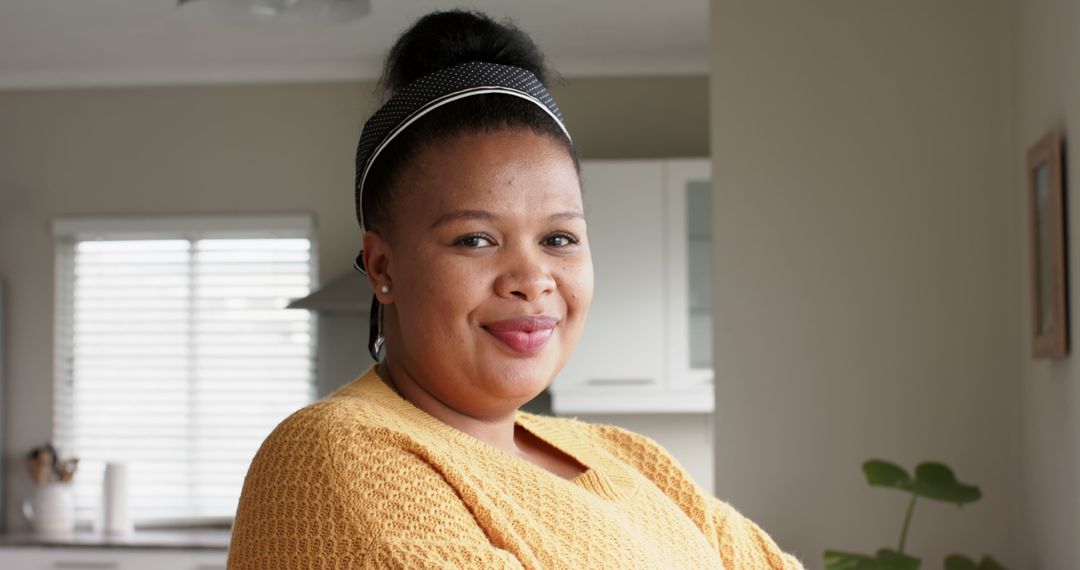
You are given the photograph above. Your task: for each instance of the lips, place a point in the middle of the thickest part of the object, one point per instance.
(524, 335)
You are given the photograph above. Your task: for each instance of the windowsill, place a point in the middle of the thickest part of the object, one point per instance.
(184, 539)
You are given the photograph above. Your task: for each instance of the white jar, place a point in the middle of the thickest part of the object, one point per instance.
(51, 509)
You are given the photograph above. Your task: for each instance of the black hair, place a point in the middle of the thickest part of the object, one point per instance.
(437, 41)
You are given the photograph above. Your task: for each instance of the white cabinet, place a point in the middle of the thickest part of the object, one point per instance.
(689, 270)
(622, 344)
(82, 558)
(647, 341)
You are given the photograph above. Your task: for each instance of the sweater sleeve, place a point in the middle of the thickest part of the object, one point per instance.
(740, 542)
(319, 495)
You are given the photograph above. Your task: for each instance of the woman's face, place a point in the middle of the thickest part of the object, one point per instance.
(489, 266)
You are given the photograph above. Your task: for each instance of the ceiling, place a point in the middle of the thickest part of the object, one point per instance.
(79, 43)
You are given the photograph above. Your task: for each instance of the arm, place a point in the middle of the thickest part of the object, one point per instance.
(322, 493)
(740, 542)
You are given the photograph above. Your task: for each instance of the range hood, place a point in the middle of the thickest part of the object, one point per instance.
(346, 293)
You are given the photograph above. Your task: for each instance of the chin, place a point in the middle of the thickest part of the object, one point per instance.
(523, 378)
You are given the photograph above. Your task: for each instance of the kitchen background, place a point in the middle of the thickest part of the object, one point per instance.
(869, 293)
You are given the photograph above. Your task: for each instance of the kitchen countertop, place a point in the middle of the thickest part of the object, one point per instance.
(193, 539)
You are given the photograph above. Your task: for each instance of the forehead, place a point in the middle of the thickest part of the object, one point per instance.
(509, 172)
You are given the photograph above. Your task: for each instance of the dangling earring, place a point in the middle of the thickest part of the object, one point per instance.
(375, 335)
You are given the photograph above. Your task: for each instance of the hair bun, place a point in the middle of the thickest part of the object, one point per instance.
(445, 39)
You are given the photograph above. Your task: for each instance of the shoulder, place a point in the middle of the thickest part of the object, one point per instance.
(310, 446)
(357, 409)
(332, 451)
(322, 421)
(326, 420)
(341, 428)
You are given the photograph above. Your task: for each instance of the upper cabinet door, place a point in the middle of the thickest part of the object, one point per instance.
(647, 345)
(622, 347)
(689, 256)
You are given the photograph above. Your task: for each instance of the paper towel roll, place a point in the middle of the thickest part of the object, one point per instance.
(115, 499)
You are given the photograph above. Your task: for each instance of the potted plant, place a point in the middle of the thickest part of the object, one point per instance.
(931, 481)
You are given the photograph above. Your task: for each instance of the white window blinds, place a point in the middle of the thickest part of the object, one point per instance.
(175, 354)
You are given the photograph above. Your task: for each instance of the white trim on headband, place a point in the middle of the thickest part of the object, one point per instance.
(431, 106)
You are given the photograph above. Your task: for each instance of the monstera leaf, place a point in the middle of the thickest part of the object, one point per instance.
(885, 559)
(960, 562)
(881, 473)
(932, 480)
(936, 481)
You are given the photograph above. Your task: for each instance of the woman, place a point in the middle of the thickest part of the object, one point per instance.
(475, 243)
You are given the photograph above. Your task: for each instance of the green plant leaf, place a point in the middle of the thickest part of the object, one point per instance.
(988, 563)
(884, 560)
(892, 560)
(936, 481)
(881, 473)
(959, 562)
(836, 560)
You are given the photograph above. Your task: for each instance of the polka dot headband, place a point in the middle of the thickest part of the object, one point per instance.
(435, 90)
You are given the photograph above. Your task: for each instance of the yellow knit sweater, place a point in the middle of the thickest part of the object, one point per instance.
(364, 479)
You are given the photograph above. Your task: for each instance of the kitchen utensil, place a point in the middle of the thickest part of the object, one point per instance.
(38, 470)
(67, 469)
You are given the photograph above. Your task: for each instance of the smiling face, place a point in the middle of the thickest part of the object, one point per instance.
(489, 266)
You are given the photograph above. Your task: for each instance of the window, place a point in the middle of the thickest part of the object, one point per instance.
(176, 355)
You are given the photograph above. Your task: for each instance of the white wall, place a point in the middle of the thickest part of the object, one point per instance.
(231, 150)
(867, 268)
(1048, 96)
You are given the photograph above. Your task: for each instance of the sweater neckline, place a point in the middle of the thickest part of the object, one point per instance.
(590, 479)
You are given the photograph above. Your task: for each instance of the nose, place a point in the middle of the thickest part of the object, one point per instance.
(526, 275)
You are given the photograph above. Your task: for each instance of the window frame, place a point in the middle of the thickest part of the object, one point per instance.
(68, 231)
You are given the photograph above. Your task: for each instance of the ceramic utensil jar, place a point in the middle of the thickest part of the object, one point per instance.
(51, 509)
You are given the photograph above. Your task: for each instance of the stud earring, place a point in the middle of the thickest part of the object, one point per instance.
(384, 288)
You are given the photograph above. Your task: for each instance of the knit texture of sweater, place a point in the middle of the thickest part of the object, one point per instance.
(364, 479)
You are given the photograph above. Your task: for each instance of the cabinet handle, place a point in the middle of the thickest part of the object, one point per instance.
(84, 565)
(618, 381)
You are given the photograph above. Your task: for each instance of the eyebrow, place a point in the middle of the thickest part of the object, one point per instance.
(463, 215)
(568, 215)
(488, 216)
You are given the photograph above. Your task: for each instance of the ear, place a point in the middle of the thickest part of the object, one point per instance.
(377, 262)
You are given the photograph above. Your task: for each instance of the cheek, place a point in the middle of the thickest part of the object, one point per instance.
(577, 286)
(442, 293)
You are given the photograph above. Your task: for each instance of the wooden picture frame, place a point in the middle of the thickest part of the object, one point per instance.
(1046, 235)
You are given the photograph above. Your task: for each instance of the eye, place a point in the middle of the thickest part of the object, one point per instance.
(475, 241)
(560, 239)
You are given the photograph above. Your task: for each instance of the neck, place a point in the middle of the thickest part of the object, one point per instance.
(496, 430)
